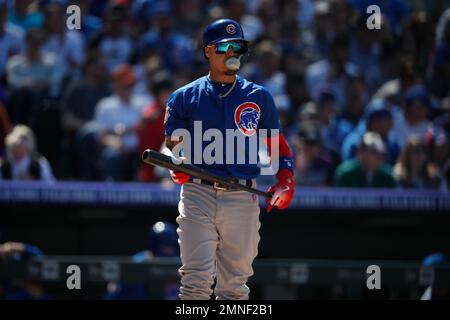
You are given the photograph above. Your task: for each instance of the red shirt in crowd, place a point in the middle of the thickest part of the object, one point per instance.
(151, 136)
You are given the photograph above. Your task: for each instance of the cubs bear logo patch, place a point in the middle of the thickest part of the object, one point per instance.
(246, 118)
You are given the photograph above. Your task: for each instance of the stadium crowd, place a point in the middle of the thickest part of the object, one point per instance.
(360, 107)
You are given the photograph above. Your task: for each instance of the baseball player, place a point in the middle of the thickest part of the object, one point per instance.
(219, 227)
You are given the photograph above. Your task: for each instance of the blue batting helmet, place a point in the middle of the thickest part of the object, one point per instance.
(434, 259)
(163, 240)
(222, 30)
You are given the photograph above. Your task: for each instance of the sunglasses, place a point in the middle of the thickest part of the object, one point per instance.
(239, 47)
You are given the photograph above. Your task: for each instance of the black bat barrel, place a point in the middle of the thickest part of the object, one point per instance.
(158, 159)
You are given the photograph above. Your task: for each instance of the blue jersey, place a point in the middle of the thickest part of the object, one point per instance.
(246, 109)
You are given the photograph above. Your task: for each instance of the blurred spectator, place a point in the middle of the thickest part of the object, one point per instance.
(162, 242)
(30, 77)
(266, 70)
(17, 251)
(189, 17)
(367, 170)
(11, 38)
(305, 13)
(151, 128)
(416, 39)
(314, 165)
(35, 69)
(21, 290)
(296, 90)
(117, 117)
(437, 145)
(378, 120)
(81, 97)
(113, 40)
(175, 49)
(386, 69)
(296, 51)
(78, 105)
(414, 169)
(98, 7)
(364, 45)
(5, 128)
(143, 10)
(442, 27)
(90, 24)
(235, 9)
(438, 290)
(332, 70)
(440, 140)
(333, 129)
(22, 162)
(323, 29)
(440, 67)
(443, 120)
(144, 69)
(341, 13)
(394, 90)
(414, 118)
(67, 45)
(355, 99)
(268, 11)
(25, 14)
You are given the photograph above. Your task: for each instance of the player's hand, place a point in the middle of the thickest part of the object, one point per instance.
(179, 177)
(282, 192)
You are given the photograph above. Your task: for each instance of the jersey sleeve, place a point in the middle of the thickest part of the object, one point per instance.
(269, 114)
(175, 117)
(270, 121)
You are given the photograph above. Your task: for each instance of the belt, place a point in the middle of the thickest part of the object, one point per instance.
(220, 186)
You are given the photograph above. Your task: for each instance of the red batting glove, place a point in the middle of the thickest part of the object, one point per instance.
(179, 177)
(282, 192)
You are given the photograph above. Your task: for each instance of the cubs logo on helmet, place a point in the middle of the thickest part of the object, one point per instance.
(231, 28)
(247, 117)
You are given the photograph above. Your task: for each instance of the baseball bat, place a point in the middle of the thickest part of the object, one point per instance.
(158, 159)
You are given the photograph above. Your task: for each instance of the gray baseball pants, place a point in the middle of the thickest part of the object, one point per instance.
(218, 235)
